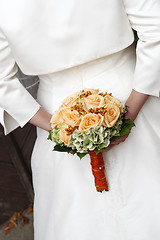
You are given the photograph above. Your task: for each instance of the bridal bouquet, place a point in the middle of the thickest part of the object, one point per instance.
(85, 123)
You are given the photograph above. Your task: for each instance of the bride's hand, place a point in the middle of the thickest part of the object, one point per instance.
(134, 103)
(121, 138)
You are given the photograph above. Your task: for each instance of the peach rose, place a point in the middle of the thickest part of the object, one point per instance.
(93, 101)
(64, 136)
(56, 119)
(90, 120)
(71, 117)
(111, 99)
(111, 115)
(71, 100)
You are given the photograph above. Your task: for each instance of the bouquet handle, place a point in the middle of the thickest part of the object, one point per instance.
(98, 170)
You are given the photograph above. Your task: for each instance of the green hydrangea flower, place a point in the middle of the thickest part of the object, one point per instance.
(95, 138)
(55, 136)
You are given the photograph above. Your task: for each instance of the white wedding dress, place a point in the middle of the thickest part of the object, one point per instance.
(67, 205)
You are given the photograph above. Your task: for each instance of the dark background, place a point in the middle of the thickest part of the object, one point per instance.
(16, 190)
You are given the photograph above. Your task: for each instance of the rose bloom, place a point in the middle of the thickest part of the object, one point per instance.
(111, 116)
(64, 136)
(56, 119)
(93, 101)
(71, 117)
(90, 120)
(71, 100)
(111, 99)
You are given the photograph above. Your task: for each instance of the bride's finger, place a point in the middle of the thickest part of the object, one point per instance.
(119, 140)
(116, 142)
(109, 148)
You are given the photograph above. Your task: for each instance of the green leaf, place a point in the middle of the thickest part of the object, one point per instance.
(74, 151)
(126, 126)
(100, 150)
(115, 138)
(59, 148)
(50, 135)
(81, 155)
(97, 151)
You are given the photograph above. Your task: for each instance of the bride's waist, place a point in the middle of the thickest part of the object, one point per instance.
(77, 76)
(111, 73)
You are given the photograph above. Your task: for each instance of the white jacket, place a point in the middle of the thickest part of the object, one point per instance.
(47, 36)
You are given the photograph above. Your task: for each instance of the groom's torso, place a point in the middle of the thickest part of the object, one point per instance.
(51, 35)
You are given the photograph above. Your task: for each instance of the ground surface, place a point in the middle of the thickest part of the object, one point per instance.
(21, 232)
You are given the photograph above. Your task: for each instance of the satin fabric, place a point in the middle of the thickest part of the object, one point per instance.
(67, 205)
(46, 36)
(62, 34)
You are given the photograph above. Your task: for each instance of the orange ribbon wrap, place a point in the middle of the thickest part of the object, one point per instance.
(98, 170)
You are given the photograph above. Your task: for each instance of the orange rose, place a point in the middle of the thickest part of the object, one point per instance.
(70, 100)
(90, 120)
(56, 119)
(93, 101)
(111, 99)
(64, 136)
(71, 117)
(111, 116)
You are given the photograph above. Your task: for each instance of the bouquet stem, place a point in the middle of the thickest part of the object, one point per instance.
(98, 170)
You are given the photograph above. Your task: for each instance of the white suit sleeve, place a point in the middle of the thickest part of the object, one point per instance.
(144, 16)
(17, 106)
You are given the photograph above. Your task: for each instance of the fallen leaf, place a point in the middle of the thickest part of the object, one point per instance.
(30, 209)
(25, 220)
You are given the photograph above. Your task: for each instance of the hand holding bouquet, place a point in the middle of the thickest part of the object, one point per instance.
(85, 123)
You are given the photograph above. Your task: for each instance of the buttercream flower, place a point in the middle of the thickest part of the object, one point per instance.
(71, 117)
(111, 115)
(71, 100)
(64, 136)
(56, 119)
(90, 120)
(111, 99)
(93, 101)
